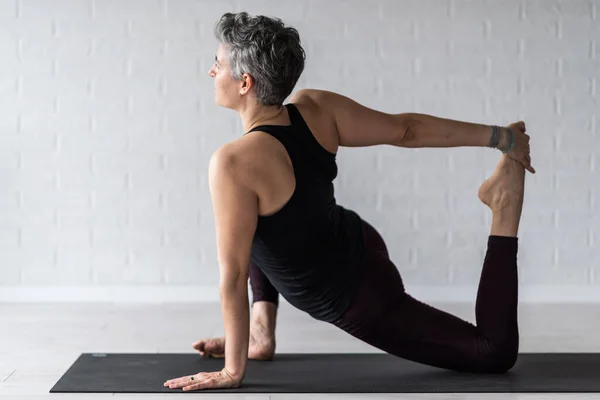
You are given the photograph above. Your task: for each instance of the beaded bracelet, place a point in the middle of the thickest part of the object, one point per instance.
(511, 142)
(495, 139)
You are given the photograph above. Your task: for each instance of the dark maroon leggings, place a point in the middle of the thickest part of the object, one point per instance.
(383, 315)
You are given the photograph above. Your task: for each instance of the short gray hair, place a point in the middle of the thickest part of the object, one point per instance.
(264, 48)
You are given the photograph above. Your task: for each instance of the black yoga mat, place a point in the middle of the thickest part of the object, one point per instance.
(331, 373)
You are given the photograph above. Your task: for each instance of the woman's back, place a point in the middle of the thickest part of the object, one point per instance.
(305, 243)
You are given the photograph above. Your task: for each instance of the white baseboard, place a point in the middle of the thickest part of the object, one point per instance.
(195, 294)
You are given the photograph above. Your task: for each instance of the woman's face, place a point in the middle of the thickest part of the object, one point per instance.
(226, 89)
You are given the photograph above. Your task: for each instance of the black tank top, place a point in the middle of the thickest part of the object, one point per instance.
(311, 248)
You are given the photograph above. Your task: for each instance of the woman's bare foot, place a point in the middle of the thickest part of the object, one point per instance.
(505, 187)
(261, 346)
(262, 343)
(503, 193)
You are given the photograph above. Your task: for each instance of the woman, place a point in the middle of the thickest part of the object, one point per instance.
(278, 224)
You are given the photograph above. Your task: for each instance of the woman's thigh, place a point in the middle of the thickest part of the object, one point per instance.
(383, 315)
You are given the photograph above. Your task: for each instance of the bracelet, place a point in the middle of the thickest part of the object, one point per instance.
(511, 142)
(495, 138)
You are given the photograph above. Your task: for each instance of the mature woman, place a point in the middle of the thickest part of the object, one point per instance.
(278, 224)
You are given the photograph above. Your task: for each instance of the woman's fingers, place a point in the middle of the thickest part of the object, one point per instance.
(527, 164)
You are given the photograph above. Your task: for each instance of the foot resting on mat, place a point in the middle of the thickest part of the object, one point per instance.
(262, 345)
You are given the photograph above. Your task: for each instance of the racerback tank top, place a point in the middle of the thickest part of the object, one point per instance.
(311, 248)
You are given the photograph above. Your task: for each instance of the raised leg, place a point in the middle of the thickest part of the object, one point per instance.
(503, 193)
(385, 316)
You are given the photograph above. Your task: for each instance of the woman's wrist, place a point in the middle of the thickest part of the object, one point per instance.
(500, 137)
(504, 136)
(508, 140)
(238, 377)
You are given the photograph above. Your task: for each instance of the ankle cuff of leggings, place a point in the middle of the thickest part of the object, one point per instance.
(496, 240)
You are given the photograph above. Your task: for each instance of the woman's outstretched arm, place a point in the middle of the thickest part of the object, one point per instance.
(361, 126)
(430, 131)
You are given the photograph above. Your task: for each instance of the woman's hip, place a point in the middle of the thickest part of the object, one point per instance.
(380, 285)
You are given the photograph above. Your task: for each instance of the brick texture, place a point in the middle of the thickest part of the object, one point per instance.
(108, 123)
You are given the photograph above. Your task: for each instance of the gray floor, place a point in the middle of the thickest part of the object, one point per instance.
(39, 342)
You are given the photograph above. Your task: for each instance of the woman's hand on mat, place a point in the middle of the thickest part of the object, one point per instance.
(520, 151)
(205, 380)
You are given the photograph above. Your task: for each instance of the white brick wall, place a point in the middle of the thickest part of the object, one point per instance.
(107, 123)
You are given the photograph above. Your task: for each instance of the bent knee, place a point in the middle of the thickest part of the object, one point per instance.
(501, 359)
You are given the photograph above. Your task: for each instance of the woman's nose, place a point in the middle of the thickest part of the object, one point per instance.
(211, 71)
